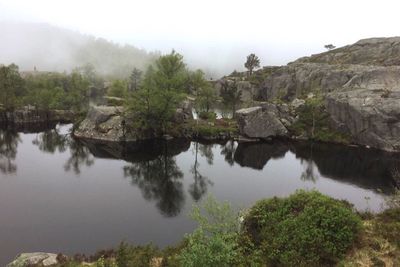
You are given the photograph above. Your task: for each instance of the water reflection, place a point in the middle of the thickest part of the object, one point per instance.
(51, 140)
(366, 168)
(200, 184)
(228, 151)
(256, 155)
(9, 140)
(159, 180)
(79, 156)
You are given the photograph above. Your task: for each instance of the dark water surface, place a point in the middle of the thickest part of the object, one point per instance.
(59, 195)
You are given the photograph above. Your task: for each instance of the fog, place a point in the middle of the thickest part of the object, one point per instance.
(213, 35)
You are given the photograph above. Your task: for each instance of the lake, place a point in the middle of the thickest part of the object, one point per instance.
(62, 195)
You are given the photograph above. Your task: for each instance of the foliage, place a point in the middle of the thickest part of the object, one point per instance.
(329, 46)
(128, 255)
(11, 87)
(205, 115)
(252, 62)
(231, 95)
(206, 98)
(135, 79)
(304, 229)
(213, 243)
(153, 106)
(196, 82)
(118, 88)
(313, 123)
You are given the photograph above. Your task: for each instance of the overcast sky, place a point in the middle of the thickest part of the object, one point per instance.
(215, 31)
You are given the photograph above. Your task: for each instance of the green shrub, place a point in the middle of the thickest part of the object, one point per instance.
(207, 115)
(213, 243)
(304, 229)
(129, 255)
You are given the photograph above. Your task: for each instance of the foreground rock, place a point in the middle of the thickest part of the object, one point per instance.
(372, 117)
(35, 259)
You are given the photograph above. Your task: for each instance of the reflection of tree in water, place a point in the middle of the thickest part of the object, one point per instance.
(8, 150)
(201, 182)
(80, 155)
(228, 150)
(309, 168)
(159, 180)
(51, 140)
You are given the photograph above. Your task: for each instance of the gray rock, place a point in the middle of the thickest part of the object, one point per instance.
(299, 79)
(372, 117)
(103, 123)
(371, 51)
(260, 122)
(297, 103)
(34, 259)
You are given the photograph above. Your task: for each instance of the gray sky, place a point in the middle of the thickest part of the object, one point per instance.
(218, 32)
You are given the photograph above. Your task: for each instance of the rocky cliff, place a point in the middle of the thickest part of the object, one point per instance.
(360, 84)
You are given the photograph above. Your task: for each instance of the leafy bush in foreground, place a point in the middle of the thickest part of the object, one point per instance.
(304, 229)
(213, 243)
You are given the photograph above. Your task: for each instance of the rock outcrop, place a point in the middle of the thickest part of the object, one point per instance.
(105, 123)
(299, 79)
(35, 259)
(265, 121)
(361, 83)
(30, 115)
(372, 117)
(371, 51)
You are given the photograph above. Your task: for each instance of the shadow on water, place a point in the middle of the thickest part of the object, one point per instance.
(366, 168)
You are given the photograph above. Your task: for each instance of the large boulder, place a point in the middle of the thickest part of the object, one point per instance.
(35, 259)
(102, 123)
(261, 122)
(372, 117)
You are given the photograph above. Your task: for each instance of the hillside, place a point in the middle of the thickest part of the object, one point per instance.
(49, 48)
(371, 51)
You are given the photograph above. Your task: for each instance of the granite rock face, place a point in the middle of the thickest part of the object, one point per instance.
(102, 123)
(265, 121)
(372, 117)
(30, 115)
(299, 79)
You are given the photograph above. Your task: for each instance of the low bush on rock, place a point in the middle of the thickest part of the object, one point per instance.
(304, 229)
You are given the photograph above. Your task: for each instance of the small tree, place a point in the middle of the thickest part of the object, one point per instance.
(252, 62)
(206, 98)
(135, 79)
(118, 88)
(11, 87)
(231, 95)
(329, 46)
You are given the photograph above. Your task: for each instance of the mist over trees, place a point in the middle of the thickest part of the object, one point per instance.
(49, 48)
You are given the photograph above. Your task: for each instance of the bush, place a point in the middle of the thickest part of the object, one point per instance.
(305, 229)
(207, 115)
(213, 243)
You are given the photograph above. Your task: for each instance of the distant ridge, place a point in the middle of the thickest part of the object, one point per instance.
(50, 48)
